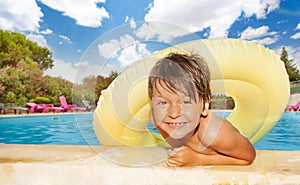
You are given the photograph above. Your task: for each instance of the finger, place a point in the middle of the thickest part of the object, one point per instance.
(171, 163)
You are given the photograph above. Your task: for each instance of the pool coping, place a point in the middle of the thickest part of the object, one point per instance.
(69, 164)
(42, 114)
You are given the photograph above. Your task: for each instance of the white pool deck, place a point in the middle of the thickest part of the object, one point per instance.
(63, 164)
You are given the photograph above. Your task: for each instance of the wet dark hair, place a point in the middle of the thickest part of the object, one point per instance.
(182, 73)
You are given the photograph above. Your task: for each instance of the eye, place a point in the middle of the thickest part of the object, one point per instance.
(161, 102)
(186, 102)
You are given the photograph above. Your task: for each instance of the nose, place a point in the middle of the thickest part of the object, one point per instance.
(174, 110)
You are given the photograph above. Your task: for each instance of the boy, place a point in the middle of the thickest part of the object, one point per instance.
(179, 89)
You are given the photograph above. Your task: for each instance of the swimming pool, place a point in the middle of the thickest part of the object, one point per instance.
(63, 129)
(77, 129)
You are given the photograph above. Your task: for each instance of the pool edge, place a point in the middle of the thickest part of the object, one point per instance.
(68, 164)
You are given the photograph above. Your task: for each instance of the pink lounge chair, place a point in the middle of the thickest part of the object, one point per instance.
(293, 107)
(33, 107)
(81, 109)
(71, 107)
(49, 107)
(43, 108)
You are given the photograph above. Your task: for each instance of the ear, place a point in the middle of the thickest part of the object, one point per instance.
(205, 109)
(151, 117)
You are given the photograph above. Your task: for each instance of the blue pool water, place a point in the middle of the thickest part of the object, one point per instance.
(77, 129)
(64, 129)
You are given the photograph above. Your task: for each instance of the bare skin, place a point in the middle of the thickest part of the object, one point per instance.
(198, 136)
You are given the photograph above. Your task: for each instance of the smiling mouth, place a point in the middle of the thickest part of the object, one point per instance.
(176, 125)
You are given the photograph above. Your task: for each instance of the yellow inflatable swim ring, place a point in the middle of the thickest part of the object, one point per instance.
(253, 75)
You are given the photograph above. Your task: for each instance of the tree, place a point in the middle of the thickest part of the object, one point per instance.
(25, 82)
(85, 91)
(101, 84)
(113, 74)
(56, 87)
(14, 47)
(21, 82)
(290, 66)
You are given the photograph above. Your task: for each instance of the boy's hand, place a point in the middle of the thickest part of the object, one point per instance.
(182, 156)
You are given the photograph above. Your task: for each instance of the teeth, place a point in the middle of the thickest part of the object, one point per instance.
(176, 124)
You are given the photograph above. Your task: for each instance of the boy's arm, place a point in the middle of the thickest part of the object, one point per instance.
(227, 147)
(233, 145)
(185, 156)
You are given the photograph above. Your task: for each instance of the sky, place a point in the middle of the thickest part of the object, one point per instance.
(95, 37)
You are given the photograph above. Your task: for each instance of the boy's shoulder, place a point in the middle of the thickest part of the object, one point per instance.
(213, 129)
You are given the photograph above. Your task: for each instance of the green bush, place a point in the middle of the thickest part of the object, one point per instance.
(41, 99)
(21, 101)
(11, 97)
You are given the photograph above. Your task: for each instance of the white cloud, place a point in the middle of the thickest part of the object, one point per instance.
(72, 72)
(296, 36)
(62, 69)
(85, 69)
(23, 16)
(66, 39)
(298, 26)
(109, 49)
(16, 15)
(217, 15)
(132, 54)
(147, 31)
(261, 35)
(46, 32)
(265, 41)
(161, 31)
(259, 8)
(39, 39)
(127, 40)
(85, 13)
(282, 21)
(131, 22)
(252, 33)
(125, 51)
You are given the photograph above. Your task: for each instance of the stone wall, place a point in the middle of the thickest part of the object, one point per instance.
(222, 104)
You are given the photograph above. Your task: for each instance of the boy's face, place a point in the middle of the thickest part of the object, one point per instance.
(175, 115)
